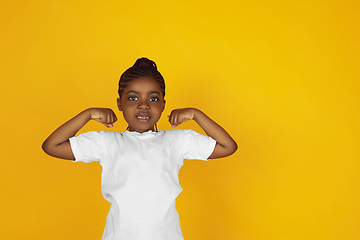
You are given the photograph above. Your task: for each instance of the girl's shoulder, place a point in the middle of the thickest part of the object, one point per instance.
(180, 131)
(181, 134)
(175, 132)
(99, 135)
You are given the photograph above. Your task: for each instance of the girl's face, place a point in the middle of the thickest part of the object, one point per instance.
(142, 104)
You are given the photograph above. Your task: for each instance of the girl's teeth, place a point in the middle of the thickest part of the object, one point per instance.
(142, 117)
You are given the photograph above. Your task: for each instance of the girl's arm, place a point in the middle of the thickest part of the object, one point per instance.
(58, 145)
(225, 145)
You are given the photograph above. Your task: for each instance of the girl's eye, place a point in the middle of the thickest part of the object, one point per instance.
(133, 98)
(154, 99)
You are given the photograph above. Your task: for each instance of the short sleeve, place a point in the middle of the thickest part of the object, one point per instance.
(196, 145)
(88, 147)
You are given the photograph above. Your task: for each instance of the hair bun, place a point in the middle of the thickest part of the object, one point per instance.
(145, 62)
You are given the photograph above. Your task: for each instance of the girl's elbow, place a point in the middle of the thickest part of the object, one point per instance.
(45, 147)
(48, 148)
(234, 148)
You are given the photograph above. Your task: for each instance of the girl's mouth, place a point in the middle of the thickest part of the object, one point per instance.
(143, 117)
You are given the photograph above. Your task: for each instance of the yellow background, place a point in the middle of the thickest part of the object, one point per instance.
(283, 77)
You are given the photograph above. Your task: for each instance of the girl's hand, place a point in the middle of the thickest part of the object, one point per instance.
(181, 115)
(105, 116)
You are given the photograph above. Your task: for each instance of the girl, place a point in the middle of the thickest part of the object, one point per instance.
(140, 165)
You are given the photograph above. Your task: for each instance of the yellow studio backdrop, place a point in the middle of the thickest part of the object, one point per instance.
(282, 77)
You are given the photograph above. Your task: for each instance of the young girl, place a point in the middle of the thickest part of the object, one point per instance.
(140, 165)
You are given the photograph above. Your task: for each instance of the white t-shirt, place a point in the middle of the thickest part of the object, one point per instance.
(140, 178)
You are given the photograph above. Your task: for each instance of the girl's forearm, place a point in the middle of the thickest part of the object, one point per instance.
(70, 128)
(57, 144)
(225, 143)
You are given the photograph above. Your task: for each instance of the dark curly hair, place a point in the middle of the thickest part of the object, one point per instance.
(143, 67)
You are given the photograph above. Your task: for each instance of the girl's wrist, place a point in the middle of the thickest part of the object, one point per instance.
(196, 113)
(88, 113)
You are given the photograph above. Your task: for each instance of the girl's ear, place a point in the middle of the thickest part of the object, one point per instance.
(164, 105)
(119, 104)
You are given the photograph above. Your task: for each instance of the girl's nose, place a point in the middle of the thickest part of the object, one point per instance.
(143, 105)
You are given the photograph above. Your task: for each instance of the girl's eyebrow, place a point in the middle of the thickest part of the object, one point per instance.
(132, 91)
(136, 92)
